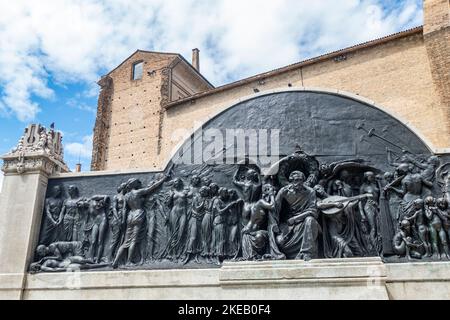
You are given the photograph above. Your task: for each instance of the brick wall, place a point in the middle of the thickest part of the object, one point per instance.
(395, 75)
(407, 75)
(437, 42)
(132, 131)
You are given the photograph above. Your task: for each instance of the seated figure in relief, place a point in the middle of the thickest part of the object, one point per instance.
(296, 204)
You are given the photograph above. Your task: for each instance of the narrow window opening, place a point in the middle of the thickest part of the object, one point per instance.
(138, 68)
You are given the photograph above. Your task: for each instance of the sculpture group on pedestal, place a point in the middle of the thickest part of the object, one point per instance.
(37, 149)
(303, 210)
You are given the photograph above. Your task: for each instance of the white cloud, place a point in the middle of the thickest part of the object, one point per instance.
(77, 40)
(74, 103)
(77, 149)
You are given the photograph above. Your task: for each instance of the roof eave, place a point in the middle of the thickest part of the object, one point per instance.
(297, 65)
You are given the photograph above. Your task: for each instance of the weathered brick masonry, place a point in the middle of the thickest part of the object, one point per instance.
(405, 73)
(129, 116)
(436, 35)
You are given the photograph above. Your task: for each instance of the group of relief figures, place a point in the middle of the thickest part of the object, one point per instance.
(301, 210)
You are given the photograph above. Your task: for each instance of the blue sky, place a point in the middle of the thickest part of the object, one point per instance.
(52, 52)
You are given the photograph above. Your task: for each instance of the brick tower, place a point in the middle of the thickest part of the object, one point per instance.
(130, 107)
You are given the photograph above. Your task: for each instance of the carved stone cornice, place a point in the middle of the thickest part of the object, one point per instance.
(32, 163)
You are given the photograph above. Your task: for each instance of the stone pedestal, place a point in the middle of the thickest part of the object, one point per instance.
(26, 170)
(21, 205)
(354, 278)
(418, 280)
(359, 278)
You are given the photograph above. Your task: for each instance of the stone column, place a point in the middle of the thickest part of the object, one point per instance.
(27, 168)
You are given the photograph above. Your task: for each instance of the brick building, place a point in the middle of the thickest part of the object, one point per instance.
(151, 95)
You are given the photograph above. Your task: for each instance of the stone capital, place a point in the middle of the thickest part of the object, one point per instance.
(34, 162)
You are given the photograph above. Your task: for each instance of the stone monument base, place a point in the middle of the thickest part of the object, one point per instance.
(353, 278)
(358, 278)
